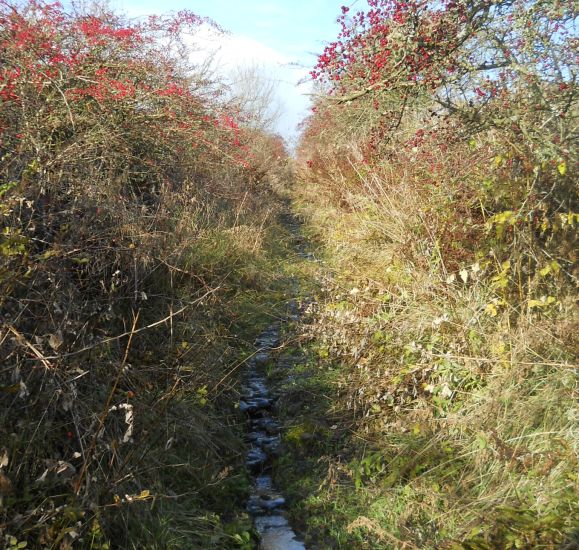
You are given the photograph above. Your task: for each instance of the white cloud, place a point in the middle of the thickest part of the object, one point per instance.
(231, 51)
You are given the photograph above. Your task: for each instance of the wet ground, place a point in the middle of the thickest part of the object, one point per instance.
(266, 505)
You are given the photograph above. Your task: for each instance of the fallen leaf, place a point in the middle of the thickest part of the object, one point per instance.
(3, 458)
(54, 341)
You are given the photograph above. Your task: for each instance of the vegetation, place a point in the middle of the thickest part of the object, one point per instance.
(438, 177)
(137, 205)
(145, 241)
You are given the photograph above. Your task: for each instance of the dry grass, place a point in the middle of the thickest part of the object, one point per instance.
(463, 417)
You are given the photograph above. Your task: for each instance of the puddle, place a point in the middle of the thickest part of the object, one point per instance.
(266, 504)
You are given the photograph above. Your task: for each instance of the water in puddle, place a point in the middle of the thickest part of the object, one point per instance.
(266, 504)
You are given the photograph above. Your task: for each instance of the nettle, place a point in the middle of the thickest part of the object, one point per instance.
(485, 90)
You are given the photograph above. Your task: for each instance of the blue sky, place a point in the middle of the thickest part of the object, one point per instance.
(293, 27)
(274, 34)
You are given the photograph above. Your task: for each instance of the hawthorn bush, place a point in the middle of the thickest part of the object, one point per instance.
(496, 76)
(438, 167)
(125, 179)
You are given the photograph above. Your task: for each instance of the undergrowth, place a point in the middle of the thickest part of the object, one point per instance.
(139, 254)
(444, 330)
(436, 424)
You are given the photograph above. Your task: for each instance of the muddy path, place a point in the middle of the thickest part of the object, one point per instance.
(259, 398)
(266, 504)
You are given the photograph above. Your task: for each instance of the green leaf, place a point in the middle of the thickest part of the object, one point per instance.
(5, 187)
(357, 477)
(552, 267)
(481, 442)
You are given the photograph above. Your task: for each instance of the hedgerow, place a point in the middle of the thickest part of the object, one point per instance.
(133, 197)
(438, 169)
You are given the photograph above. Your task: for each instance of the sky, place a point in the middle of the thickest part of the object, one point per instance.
(282, 37)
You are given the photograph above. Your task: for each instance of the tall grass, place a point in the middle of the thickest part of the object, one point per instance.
(446, 318)
(461, 405)
(133, 206)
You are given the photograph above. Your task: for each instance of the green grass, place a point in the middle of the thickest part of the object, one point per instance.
(433, 423)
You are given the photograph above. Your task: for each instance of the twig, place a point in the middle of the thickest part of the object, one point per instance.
(106, 408)
(243, 361)
(22, 340)
(489, 360)
(184, 271)
(124, 334)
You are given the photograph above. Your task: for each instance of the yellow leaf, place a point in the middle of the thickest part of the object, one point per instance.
(500, 281)
(562, 168)
(536, 303)
(543, 302)
(144, 494)
(49, 254)
(568, 219)
(491, 310)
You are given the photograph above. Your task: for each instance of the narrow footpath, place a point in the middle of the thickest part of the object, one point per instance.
(266, 504)
(258, 400)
